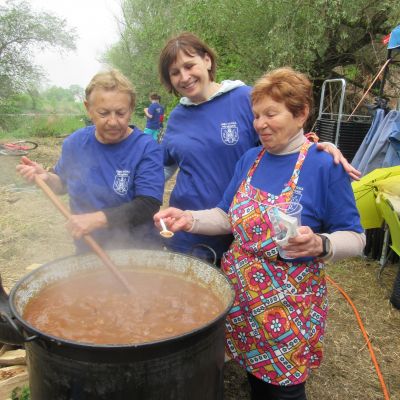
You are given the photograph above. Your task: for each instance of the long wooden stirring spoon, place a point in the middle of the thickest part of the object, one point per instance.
(88, 238)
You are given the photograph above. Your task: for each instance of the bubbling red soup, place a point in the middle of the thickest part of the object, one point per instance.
(93, 307)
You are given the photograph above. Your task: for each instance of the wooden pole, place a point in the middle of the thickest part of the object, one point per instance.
(88, 238)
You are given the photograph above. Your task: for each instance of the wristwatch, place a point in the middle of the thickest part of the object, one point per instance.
(326, 245)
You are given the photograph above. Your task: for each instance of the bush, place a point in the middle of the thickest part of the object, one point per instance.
(45, 126)
(20, 393)
(41, 125)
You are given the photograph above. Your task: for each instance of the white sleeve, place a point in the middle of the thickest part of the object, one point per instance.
(210, 222)
(344, 244)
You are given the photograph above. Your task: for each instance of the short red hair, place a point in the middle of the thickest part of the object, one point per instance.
(285, 85)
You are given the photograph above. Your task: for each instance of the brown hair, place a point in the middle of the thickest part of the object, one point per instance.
(155, 96)
(191, 45)
(112, 80)
(285, 85)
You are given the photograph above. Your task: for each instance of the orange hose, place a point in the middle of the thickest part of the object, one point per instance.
(365, 334)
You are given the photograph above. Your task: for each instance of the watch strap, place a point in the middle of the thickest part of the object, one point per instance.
(325, 245)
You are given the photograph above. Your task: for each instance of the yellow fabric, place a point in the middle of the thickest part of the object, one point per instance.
(379, 174)
(366, 206)
(392, 219)
(389, 185)
(386, 180)
(393, 198)
(390, 188)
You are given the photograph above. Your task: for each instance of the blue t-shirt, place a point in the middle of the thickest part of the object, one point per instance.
(155, 110)
(100, 176)
(323, 188)
(206, 141)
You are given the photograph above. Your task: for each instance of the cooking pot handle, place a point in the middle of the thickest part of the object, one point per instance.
(9, 331)
(209, 248)
(4, 307)
(9, 320)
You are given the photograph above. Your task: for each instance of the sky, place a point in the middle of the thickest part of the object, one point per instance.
(96, 26)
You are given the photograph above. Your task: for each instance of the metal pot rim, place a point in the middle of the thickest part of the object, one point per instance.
(31, 330)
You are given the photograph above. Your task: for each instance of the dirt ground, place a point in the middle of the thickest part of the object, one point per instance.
(32, 231)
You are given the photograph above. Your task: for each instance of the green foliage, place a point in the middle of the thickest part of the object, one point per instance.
(60, 100)
(43, 125)
(21, 31)
(20, 393)
(351, 72)
(53, 112)
(56, 126)
(320, 37)
(325, 38)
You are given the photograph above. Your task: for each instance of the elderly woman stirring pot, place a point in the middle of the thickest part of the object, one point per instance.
(112, 171)
(276, 325)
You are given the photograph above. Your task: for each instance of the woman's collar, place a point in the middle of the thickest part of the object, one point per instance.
(294, 144)
(224, 87)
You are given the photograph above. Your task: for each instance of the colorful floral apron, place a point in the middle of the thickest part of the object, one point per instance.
(276, 325)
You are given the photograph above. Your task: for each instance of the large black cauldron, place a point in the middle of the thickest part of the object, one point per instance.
(189, 366)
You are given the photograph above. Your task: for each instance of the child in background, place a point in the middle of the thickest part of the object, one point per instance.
(154, 114)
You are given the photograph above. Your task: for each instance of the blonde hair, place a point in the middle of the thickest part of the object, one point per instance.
(285, 85)
(112, 80)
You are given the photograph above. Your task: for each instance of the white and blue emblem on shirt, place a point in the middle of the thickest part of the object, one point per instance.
(121, 181)
(297, 194)
(229, 132)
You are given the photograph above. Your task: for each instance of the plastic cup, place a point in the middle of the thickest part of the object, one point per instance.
(285, 219)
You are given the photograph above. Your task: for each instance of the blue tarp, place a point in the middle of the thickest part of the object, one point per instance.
(381, 145)
(394, 41)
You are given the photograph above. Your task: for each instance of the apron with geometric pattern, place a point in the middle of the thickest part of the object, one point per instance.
(276, 325)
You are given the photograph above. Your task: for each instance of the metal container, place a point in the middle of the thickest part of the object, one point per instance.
(189, 366)
(346, 131)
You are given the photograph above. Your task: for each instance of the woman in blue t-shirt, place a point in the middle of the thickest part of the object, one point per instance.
(112, 171)
(275, 328)
(207, 133)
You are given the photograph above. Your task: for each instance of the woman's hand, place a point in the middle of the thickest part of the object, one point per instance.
(339, 158)
(79, 225)
(305, 244)
(174, 219)
(28, 169)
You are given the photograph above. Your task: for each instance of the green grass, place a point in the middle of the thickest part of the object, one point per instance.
(20, 393)
(22, 127)
(41, 126)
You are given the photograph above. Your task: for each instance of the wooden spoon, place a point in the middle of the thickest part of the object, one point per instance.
(88, 238)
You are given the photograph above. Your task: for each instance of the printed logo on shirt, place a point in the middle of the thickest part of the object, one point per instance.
(297, 194)
(229, 132)
(121, 181)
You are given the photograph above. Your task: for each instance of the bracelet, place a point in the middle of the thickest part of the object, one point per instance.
(193, 222)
